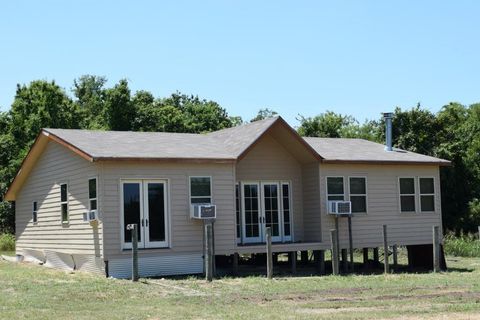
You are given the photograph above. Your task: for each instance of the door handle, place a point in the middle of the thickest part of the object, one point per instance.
(141, 222)
(146, 222)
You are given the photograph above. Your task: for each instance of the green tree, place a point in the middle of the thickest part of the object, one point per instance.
(264, 114)
(39, 105)
(89, 92)
(120, 111)
(326, 125)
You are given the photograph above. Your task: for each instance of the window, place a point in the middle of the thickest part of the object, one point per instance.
(427, 194)
(200, 190)
(407, 194)
(34, 212)
(358, 194)
(92, 193)
(64, 202)
(237, 212)
(286, 211)
(335, 190)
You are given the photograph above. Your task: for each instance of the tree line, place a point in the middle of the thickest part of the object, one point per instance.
(453, 133)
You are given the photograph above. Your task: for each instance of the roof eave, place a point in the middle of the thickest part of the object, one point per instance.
(444, 163)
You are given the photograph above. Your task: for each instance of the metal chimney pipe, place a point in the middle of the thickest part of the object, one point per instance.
(388, 116)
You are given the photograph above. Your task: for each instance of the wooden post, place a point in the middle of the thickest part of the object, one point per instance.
(209, 252)
(344, 260)
(333, 239)
(375, 255)
(235, 263)
(338, 235)
(365, 256)
(395, 256)
(436, 249)
(134, 228)
(385, 250)
(304, 257)
(322, 261)
(350, 242)
(319, 257)
(293, 261)
(214, 265)
(268, 232)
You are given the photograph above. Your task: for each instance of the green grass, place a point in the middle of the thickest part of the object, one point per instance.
(7, 242)
(35, 292)
(465, 245)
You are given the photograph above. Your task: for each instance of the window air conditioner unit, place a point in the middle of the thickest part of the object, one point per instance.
(339, 207)
(93, 215)
(203, 211)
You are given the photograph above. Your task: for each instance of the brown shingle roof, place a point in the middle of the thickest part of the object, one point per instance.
(364, 151)
(227, 144)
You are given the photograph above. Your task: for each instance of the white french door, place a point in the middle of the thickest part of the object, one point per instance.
(144, 202)
(251, 214)
(265, 204)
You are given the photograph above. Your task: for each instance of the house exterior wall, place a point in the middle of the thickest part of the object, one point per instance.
(186, 234)
(269, 160)
(382, 206)
(57, 165)
(311, 203)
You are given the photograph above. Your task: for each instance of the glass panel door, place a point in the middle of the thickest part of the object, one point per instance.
(271, 210)
(155, 217)
(287, 224)
(132, 211)
(251, 213)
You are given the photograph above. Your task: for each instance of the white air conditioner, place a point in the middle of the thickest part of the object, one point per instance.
(203, 211)
(92, 215)
(339, 207)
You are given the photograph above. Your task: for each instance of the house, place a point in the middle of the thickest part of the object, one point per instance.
(259, 174)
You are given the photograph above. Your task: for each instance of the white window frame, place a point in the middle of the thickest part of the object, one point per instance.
(96, 191)
(334, 194)
(190, 197)
(35, 212)
(290, 202)
(359, 194)
(259, 238)
(420, 194)
(238, 210)
(414, 194)
(64, 202)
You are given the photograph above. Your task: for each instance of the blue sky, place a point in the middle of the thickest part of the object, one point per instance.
(296, 57)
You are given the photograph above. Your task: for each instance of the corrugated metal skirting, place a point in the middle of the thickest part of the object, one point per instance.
(59, 260)
(157, 265)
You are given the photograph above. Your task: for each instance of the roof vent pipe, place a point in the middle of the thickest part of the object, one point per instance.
(388, 116)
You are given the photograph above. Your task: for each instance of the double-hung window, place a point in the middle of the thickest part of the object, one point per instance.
(200, 190)
(92, 193)
(335, 189)
(407, 194)
(358, 194)
(64, 202)
(427, 194)
(34, 212)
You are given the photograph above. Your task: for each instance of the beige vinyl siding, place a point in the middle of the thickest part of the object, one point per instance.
(311, 203)
(186, 234)
(57, 165)
(268, 160)
(382, 205)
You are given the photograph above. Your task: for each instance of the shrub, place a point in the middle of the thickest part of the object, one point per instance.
(7, 242)
(464, 245)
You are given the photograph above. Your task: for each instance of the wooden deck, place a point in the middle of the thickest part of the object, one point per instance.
(276, 247)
